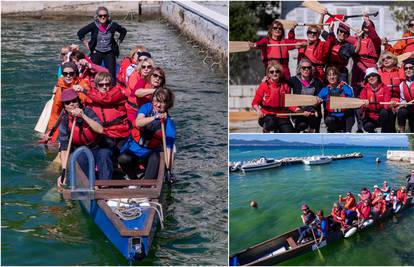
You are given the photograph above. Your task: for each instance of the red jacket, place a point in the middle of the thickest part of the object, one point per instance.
(271, 98)
(380, 204)
(402, 46)
(350, 202)
(408, 91)
(364, 211)
(402, 196)
(382, 94)
(392, 80)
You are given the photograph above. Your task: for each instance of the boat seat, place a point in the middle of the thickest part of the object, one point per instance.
(291, 242)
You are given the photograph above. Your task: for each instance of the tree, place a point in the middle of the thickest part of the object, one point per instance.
(410, 141)
(402, 12)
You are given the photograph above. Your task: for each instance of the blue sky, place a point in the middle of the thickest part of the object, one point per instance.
(350, 139)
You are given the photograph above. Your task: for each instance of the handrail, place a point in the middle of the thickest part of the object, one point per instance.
(91, 166)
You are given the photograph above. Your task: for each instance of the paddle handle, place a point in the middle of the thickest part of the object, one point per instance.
(398, 104)
(295, 44)
(399, 39)
(358, 16)
(65, 171)
(335, 18)
(296, 114)
(164, 144)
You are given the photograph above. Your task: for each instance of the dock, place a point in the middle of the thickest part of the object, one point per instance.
(299, 160)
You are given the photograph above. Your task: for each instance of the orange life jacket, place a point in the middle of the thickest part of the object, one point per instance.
(408, 91)
(121, 76)
(151, 140)
(401, 196)
(336, 59)
(83, 135)
(392, 80)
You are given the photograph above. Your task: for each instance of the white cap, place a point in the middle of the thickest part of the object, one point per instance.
(370, 71)
(375, 186)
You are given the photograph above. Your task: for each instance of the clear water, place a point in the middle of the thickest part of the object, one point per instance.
(280, 192)
(39, 231)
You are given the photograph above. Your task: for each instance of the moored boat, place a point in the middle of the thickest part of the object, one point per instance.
(127, 211)
(317, 160)
(260, 164)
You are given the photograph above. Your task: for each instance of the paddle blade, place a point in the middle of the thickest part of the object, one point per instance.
(332, 19)
(314, 5)
(41, 125)
(404, 56)
(337, 102)
(292, 100)
(238, 46)
(287, 24)
(242, 116)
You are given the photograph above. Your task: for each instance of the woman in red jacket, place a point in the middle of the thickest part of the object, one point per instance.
(269, 101)
(406, 96)
(375, 114)
(279, 54)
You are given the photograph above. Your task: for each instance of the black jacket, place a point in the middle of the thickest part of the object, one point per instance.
(296, 85)
(93, 29)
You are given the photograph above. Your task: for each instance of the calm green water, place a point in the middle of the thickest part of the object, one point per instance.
(40, 232)
(280, 192)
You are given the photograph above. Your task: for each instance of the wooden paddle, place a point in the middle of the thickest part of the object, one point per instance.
(404, 56)
(250, 115)
(48, 135)
(317, 7)
(41, 125)
(337, 102)
(292, 100)
(64, 171)
(170, 177)
(402, 38)
(289, 24)
(243, 46)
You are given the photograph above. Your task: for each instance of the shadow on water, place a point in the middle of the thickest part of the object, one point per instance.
(196, 212)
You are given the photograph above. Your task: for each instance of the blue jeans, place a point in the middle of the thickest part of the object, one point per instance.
(103, 162)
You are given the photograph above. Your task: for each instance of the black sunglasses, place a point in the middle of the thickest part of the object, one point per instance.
(157, 76)
(274, 72)
(103, 15)
(306, 67)
(343, 32)
(71, 101)
(70, 73)
(104, 84)
(410, 25)
(277, 28)
(409, 68)
(312, 32)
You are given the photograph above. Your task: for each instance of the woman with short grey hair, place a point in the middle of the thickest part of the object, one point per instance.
(102, 45)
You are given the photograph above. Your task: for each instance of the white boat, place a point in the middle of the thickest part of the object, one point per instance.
(260, 164)
(316, 160)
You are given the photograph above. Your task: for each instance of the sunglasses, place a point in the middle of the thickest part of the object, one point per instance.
(155, 75)
(103, 15)
(388, 57)
(71, 101)
(148, 67)
(104, 84)
(409, 68)
(63, 54)
(70, 73)
(277, 28)
(306, 67)
(370, 76)
(344, 32)
(274, 72)
(312, 32)
(410, 25)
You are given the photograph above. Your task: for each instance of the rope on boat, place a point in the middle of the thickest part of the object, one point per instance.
(135, 209)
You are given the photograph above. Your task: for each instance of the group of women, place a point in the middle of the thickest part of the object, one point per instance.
(322, 71)
(371, 206)
(121, 117)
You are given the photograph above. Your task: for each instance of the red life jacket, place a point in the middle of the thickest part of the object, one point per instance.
(309, 52)
(380, 95)
(152, 142)
(83, 135)
(409, 45)
(365, 211)
(279, 53)
(336, 59)
(392, 80)
(328, 106)
(367, 53)
(121, 76)
(401, 196)
(408, 91)
(273, 100)
(134, 103)
(111, 110)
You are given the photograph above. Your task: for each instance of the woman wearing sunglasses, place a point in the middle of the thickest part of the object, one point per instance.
(373, 113)
(109, 105)
(407, 95)
(145, 144)
(368, 53)
(69, 79)
(129, 63)
(269, 99)
(87, 131)
(305, 83)
(279, 54)
(136, 81)
(87, 69)
(102, 44)
(402, 46)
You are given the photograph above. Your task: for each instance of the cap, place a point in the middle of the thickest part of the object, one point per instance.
(144, 54)
(409, 61)
(68, 94)
(375, 186)
(304, 207)
(344, 28)
(370, 71)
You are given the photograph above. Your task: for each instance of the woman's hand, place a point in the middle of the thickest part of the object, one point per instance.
(74, 47)
(85, 63)
(160, 116)
(78, 112)
(252, 45)
(85, 43)
(77, 88)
